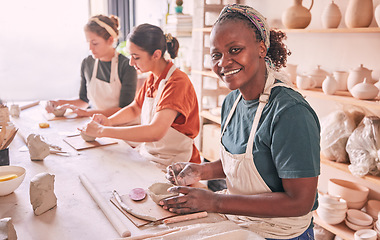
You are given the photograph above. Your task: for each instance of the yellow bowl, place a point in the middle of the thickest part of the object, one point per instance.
(8, 187)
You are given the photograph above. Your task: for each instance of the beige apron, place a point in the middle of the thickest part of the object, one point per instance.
(243, 178)
(104, 95)
(174, 146)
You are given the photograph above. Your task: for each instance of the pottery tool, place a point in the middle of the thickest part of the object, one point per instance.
(29, 105)
(186, 217)
(151, 235)
(102, 203)
(78, 143)
(174, 176)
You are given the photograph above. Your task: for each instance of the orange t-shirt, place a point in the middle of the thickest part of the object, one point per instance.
(179, 95)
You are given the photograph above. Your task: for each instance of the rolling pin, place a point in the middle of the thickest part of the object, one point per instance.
(102, 203)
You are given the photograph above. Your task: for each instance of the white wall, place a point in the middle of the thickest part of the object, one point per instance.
(41, 47)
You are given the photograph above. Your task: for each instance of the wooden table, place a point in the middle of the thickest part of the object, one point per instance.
(76, 216)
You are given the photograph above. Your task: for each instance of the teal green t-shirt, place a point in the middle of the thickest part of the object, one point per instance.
(286, 144)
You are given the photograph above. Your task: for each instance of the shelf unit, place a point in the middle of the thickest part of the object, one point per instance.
(316, 30)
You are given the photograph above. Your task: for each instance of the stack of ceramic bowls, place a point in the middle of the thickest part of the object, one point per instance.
(331, 209)
(376, 226)
(373, 208)
(358, 220)
(354, 193)
(365, 234)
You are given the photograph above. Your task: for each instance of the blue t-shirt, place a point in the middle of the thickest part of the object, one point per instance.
(286, 144)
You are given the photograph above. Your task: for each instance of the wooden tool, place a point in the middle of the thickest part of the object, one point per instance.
(151, 235)
(186, 217)
(26, 106)
(102, 203)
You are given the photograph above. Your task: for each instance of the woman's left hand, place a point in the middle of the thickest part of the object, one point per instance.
(79, 111)
(191, 200)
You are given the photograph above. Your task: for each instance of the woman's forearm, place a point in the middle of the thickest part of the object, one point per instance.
(125, 115)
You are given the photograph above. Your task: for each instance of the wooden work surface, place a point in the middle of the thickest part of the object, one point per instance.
(114, 167)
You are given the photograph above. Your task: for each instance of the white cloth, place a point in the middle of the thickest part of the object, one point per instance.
(104, 95)
(243, 178)
(174, 146)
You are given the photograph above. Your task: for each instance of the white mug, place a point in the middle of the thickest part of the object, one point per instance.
(305, 82)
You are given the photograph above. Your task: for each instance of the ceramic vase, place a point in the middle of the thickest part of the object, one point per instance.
(329, 85)
(377, 15)
(331, 16)
(341, 79)
(359, 13)
(297, 16)
(364, 91)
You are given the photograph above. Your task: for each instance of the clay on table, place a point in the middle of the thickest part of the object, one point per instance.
(42, 195)
(159, 191)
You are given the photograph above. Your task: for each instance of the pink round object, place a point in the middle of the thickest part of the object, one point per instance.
(137, 194)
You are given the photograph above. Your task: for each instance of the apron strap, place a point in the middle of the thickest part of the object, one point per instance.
(231, 113)
(162, 84)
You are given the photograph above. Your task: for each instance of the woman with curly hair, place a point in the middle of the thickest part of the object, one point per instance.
(270, 136)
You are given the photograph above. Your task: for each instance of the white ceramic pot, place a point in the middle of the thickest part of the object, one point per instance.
(329, 85)
(341, 79)
(377, 15)
(318, 75)
(357, 75)
(305, 82)
(331, 16)
(364, 90)
(291, 71)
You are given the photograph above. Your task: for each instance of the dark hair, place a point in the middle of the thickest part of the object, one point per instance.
(150, 38)
(277, 52)
(112, 21)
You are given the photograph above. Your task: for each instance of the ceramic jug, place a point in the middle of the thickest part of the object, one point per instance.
(359, 13)
(357, 75)
(297, 16)
(331, 16)
(329, 85)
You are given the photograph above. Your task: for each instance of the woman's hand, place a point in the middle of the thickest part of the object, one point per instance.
(185, 173)
(79, 111)
(93, 129)
(50, 105)
(101, 119)
(192, 200)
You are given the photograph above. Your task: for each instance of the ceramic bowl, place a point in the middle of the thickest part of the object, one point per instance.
(86, 137)
(350, 191)
(365, 234)
(59, 112)
(373, 208)
(9, 186)
(359, 218)
(331, 217)
(328, 201)
(159, 191)
(356, 205)
(356, 227)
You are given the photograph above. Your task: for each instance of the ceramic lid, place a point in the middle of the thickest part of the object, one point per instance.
(361, 69)
(318, 71)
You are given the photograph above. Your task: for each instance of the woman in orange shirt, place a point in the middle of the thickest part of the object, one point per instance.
(167, 103)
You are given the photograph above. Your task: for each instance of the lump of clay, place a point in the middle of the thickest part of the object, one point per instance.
(59, 111)
(42, 195)
(7, 231)
(159, 191)
(87, 138)
(38, 148)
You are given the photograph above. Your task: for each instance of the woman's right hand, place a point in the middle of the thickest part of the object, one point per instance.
(50, 105)
(185, 173)
(101, 119)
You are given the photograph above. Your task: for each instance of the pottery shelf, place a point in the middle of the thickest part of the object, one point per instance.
(318, 30)
(342, 97)
(344, 167)
(340, 229)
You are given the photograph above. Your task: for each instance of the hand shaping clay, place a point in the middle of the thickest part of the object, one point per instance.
(38, 148)
(59, 111)
(7, 231)
(87, 138)
(159, 191)
(42, 195)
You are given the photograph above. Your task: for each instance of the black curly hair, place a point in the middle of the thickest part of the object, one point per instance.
(277, 52)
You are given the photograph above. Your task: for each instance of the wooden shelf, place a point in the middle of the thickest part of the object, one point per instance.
(340, 229)
(317, 30)
(344, 167)
(342, 97)
(206, 114)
